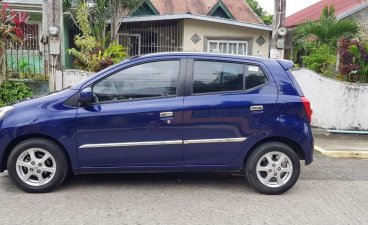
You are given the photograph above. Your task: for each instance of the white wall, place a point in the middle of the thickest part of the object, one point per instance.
(70, 77)
(336, 105)
(210, 29)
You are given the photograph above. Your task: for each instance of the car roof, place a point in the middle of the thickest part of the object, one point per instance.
(203, 54)
(219, 56)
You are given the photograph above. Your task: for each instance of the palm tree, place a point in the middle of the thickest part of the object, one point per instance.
(102, 12)
(327, 30)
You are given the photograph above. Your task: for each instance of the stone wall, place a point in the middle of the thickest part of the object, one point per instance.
(336, 105)
(67, 78)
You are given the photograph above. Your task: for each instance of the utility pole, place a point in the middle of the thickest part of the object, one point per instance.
(44, 39)
(279, 30)
(51, 38)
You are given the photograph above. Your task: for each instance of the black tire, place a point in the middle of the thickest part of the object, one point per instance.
(272, 186)
(57, 162)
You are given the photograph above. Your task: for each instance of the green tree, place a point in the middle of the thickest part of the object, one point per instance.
(93, 52)
(102, 11)
(121, 9)
(266, 18)
(327, 30)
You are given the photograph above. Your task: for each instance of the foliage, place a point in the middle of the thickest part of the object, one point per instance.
(353, 60)
(327, 30)
(266, 18)
(321, 59)
(121, 8)
(12, 91)
(92, 54)
(102, 11)
(11, 23)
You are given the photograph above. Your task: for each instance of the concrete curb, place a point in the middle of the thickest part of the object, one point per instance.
(320, 131)
(343, 154)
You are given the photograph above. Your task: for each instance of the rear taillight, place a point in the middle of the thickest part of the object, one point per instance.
(307, 108)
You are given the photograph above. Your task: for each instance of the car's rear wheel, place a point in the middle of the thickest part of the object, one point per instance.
(37, 165)
(272, 168)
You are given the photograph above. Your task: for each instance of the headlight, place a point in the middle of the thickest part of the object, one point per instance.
(5, 110)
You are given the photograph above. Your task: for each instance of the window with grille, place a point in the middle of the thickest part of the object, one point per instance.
(31, 37)
(229, 47)
(31, 32)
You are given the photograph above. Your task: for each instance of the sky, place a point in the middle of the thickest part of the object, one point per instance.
(292, 6)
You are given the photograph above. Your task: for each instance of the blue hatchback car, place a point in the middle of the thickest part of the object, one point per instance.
(169, 112)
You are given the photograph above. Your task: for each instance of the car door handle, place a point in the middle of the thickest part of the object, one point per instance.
(256, 108)
(166, 114)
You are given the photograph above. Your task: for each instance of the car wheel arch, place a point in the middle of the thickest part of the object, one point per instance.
(11, 145)
(287, 141)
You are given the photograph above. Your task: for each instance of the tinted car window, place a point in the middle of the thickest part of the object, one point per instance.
(254, 76)
(217, 77)
(147, 80)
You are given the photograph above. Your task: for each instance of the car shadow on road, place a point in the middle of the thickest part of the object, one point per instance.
(157, 180)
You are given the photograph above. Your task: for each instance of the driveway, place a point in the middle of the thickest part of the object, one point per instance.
(330, 191)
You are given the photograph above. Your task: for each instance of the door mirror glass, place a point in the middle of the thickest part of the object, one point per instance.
(86, 96)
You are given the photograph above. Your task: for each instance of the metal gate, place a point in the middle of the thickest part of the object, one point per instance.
(26, 60)
(132, 43)
(152, 36)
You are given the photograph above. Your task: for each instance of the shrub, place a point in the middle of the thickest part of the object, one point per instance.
(321, 59)
(353, 60)
(12, 91)
(91, 53)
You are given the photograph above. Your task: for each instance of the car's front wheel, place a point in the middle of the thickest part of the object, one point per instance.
(37, 165)
(272, 168)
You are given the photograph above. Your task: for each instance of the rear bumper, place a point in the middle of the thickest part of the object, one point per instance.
(308, 146)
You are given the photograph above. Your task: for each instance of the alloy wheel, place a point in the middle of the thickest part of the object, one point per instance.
(36, 167)
(274, 169)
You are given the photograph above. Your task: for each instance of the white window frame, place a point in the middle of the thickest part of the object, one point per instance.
(227, 42)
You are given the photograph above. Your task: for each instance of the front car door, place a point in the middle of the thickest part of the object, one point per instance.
(226, 103)
(136, 117)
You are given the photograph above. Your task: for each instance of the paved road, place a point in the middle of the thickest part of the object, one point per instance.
(330, 191)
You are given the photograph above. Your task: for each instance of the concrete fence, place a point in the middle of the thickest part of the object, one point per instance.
(336, 105)
(70, 77)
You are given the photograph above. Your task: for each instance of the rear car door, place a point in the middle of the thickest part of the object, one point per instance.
(226, 102)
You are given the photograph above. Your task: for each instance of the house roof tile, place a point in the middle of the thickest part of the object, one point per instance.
(314, 11)
(238, 8)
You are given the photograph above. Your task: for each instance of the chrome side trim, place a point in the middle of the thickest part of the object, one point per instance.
(175, 142)
(131, 144)
(217, 140)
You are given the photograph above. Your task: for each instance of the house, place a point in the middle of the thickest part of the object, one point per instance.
(344, 9)
(353, 9)
(226, 26)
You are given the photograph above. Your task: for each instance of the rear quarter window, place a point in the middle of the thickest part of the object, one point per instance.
(217, 77)
(211, 77)
(254, 77)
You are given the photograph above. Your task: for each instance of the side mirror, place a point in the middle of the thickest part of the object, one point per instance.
(86, 96)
